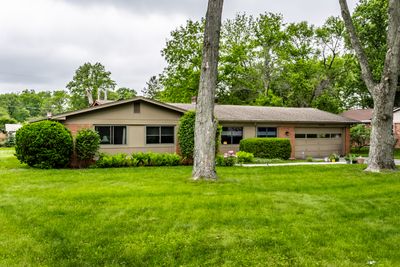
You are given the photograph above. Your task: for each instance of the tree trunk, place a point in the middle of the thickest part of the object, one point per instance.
(383, 93)
(205, 125)
(382, 141)
(89, 96)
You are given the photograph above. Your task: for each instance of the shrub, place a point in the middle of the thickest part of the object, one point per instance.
(115, 161)
(165, 159)
(44, 144)
(10, 141)
(142, 158)
(360, 135)
(244, 157)
(137, 159)
(270, 148)
(228, 159)
(87, 144)
(186, 135)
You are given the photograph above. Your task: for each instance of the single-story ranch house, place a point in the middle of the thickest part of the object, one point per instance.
(141, 124)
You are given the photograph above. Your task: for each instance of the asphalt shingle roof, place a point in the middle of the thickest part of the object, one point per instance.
(271, 114)
(363, 115)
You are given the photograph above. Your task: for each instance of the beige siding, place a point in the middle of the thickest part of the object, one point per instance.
(123, 115)
(150, 115)
(249, 131)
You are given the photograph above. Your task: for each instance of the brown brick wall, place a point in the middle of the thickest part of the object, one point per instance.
(396, 133)
(74, 128)
(288, 132)
(347, 142)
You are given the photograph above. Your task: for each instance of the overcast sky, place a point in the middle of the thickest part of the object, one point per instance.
(43, 42)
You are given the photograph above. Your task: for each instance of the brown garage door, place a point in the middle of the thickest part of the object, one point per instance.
(318, 142)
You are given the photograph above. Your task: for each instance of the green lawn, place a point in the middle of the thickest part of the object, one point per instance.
(365, 150)
(334, 215)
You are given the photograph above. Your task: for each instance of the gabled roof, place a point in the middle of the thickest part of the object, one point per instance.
(227, 113)
(63, 116)
(362, 115)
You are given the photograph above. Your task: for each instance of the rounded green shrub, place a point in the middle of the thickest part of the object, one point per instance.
(44, 144)
(186, 135)
(87, 144)
(244, 157)
(270, 148)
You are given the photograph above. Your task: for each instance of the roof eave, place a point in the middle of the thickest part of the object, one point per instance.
(290, 122)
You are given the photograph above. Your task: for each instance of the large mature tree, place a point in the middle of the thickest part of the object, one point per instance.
(153, 88)
(206, 124)
(182, 53)
(383, 92)
(89, 81)
(122, 93)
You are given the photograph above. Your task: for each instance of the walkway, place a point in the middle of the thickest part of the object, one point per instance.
(342, 161)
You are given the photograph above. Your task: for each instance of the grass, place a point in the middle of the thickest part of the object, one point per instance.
(365, 150)
(334, 215)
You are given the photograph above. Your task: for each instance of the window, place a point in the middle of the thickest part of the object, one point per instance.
(266, 132)
(336, 135)
(311, 136)
(300, 135)
(231, 135)
(159, 135)
(112, 135)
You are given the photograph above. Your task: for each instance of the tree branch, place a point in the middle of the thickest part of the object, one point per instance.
(355, 41)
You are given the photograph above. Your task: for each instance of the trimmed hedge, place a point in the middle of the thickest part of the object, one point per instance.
(270, 148)
(44, 144)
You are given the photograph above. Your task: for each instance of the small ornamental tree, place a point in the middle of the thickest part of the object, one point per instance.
(186, 135)
(87, 144)
(360, 135)
(44, 144)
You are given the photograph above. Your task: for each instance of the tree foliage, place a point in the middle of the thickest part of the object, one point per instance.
(264, 61)
(360, 135)
(89, 83)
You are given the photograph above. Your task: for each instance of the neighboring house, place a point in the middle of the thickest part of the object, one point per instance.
(11, 129)
(141, 124)
(365, 115)
(362, 115)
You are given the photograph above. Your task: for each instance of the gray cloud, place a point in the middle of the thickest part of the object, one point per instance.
(42, 44)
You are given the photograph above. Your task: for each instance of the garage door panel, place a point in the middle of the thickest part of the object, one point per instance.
(322, 146)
